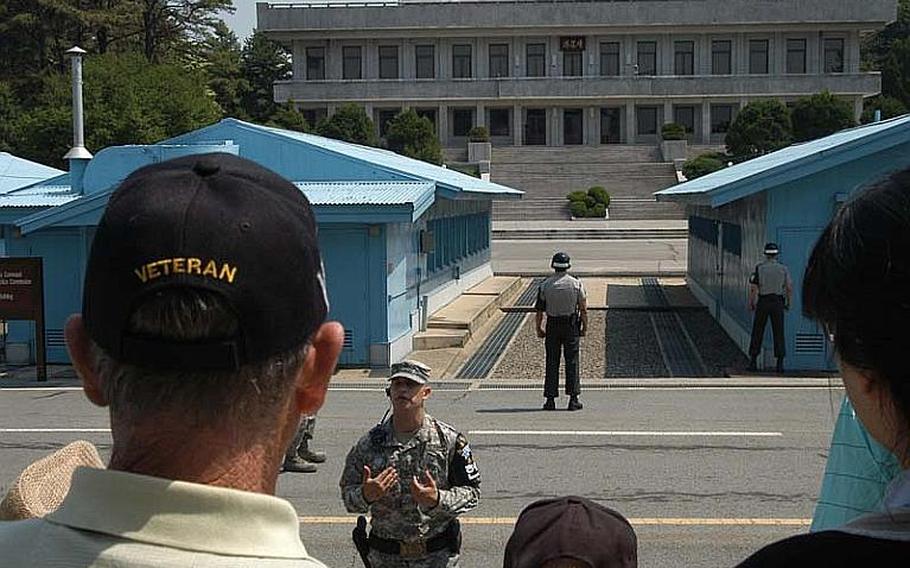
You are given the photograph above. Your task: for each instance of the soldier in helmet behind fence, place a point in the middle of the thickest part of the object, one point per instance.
(562, 299)
(771, 284)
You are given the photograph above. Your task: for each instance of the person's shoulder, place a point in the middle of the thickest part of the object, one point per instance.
(832, 549)
(17, 538)
(450, 432)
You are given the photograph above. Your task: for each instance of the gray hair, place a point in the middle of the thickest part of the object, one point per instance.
(203, 397)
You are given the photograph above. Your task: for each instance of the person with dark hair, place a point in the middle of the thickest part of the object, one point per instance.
(857, 285)
(770, 293)
(562, 299)
(203, 330)
(571, 532)
(415, 475)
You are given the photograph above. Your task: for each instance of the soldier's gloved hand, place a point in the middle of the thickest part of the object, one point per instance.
(375, 488)
(424, 491)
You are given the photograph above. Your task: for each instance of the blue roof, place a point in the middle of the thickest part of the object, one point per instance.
(791, 163)
(17, 172)
(450, 181)
(416, 196)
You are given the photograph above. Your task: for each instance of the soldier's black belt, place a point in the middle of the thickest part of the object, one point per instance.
(417, 548)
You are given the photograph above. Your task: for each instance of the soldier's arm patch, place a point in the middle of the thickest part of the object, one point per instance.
(463, 470)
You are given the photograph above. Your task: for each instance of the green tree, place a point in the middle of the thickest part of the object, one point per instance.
(889, 106)
(127, 101)
(349, 123)
(820, 115)
(289, 118)
(263, 62)
(223, 58)
(896, 72)
(759, 128)
(703, 165)
(174, 29)
(9, 113)
(414, 136)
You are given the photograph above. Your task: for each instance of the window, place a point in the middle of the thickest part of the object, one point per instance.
(462, 121)
(388, 61)
(351, 67)
(385, 117)
(610, 127)
(796, 56)
(609, 58)
(834, 55)
(684, 58)
(571, 63)
(647, 120)
(573, 126)
(721, 117)
(425, 61)
(461, 61)
(315, 63)
(647, 58)
(721, 57)
(500, 125)
(457, 238)
(536, 60)
(685, 115)
(758, 56)
(535, 127)
(499, 60)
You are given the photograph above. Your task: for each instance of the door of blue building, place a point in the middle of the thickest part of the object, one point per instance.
(345, 256)
(807, 346)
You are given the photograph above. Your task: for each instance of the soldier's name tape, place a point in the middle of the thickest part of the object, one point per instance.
(638, 522)
(474, 433)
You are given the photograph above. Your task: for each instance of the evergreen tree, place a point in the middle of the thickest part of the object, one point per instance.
(349, 123)
(759, 128)
(414, 136)
(263, 62)
(820, 115)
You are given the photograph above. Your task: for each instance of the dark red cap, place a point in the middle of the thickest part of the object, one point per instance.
(571, 528)
(215, 222)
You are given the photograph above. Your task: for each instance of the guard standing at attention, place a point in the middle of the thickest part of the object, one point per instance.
(562, 298)
(415, 475)
(299, 457)
(771, 284)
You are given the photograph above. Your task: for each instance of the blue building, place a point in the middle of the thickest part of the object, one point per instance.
(400, 238)
(788, 197)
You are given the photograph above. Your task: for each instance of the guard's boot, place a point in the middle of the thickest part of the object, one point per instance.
(574, 403)
(550, 404)
(753, 365)
(780, 366)
(298, 465)
(309, 455)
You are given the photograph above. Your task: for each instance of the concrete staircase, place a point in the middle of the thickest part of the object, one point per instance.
(549, 173)
(453, 325)
(632, 208)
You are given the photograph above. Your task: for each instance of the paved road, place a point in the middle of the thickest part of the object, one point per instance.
(650, 256)
(679, 462)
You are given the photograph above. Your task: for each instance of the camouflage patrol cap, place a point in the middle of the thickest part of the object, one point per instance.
(411, 370)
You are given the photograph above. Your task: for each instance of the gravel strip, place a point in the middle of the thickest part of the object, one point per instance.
(525, 358)
(717, 350)
(632, 348)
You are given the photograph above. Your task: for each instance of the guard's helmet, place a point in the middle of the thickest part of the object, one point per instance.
(772, 248)
(561, 261)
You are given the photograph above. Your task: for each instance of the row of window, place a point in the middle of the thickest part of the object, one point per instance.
(709, 230)
(457, 238)
(573, 61)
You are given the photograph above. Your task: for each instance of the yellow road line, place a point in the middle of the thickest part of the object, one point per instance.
(641, 522)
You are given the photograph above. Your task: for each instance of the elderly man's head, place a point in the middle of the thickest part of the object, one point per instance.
(204, 305)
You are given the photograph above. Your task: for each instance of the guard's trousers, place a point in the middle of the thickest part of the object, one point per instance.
(769, 306)
(562, 339)
(304, 433)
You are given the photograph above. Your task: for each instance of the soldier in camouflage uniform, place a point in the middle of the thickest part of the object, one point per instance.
(415, 475)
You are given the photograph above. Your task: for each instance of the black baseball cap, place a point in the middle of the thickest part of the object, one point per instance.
(571, 528)
(772, 248)
(213, 222)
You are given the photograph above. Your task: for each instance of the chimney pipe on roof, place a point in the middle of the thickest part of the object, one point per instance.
(78, 155)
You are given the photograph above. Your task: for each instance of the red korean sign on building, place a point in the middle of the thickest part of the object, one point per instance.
(22, 298)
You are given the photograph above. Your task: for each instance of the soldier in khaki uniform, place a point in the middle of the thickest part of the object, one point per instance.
(562, 299)
(415, 475)
(771, 284)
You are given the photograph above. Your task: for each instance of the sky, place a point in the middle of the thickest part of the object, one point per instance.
(243, 20)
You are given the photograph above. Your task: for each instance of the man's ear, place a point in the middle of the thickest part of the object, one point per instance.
(427, 391)
(79, 346)
(321, 358)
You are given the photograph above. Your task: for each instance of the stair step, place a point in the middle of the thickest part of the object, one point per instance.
(441, 339)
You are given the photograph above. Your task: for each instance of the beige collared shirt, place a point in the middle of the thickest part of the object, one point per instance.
(112, 518)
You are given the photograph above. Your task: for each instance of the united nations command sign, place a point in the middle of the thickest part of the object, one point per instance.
(22, 298)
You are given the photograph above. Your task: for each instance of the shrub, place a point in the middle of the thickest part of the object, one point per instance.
(889, 106)
(820, 115)
(600, 195)
(703, 165)
(479, 134)
(414, 136)
(599, 210)
(577, 196)
(673, 131)
(759, 128)
(578, 208)
(590, 201)
(349, 123)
